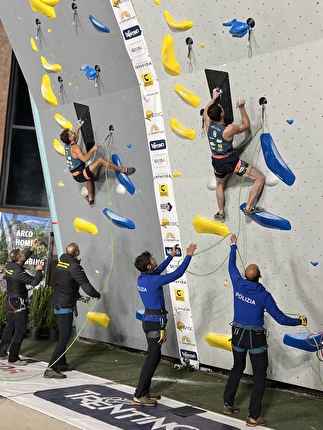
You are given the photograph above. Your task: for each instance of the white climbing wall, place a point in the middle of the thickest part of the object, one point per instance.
(284, 65)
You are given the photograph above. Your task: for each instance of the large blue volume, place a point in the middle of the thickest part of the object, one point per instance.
(274, 161)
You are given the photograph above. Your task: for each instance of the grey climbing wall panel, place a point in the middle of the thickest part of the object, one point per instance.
(283, 63)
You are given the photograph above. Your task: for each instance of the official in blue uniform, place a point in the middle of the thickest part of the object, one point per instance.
(251, 300)
(150, 288)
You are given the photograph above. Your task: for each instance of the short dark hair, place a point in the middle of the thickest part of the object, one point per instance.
(65, 137)
(142, 261)
(14, 255)
(214, 112)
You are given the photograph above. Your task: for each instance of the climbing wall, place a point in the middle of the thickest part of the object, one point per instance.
(280, 61)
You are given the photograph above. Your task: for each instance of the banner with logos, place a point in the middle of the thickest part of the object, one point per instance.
(19, 231)
(163, 180)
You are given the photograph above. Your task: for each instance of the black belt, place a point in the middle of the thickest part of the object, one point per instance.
(155, 311)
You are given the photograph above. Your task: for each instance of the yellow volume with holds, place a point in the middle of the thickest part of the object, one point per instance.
(170, 63)
(202, 225)
(179, 129)
(182, 25)
(98, 318)
(83, 226)
(47, 92)
(50, 67)
(219, 340)
(190, 98)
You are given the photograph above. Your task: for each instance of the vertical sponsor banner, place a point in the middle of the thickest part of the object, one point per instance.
(19, 231)
(163, 182)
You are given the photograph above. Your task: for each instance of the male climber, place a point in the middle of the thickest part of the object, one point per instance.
(224, 159)
(76, 160)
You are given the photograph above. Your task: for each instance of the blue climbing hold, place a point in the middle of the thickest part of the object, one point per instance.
(229, 23)
(269, 220)
(98, 25)
(289, 121)
(305, 341)
(274, 160)
(91, 73)
(140, 314)
(129, 145)
(119, 220)
(122, 178)
(314, 263)
(238, 28)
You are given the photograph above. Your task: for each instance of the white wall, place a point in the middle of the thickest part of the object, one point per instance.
(286, 70)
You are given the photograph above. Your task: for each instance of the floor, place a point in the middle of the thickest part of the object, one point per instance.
(283, 407)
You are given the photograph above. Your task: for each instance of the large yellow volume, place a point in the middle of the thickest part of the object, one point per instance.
(170, 63)
(202, 225)
(50, 67)
(182, 25)
(179, 129)
(83, 226)
(190, 98)
(98, 318)
(64, 123)
(219, 340)
(45, 7)
(47, 92)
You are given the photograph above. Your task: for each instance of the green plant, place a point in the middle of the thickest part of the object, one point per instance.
(51, 320)
(39, 306)
(3, 308)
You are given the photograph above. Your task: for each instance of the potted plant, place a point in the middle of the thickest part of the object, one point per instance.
(51, 324)
(38, 310)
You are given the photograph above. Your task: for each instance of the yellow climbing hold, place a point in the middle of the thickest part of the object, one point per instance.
(157, 1)
(47, 92)
(64, 123)
(202, 225)
(49, 31)
(115, 3)
(177, 175)
(170, 63)
(33, 44)
(182, 25)
(45, 7)
(50, 67)
(179, 129)
(59, 147)
(190, 98)
(83, 226)
(202, 45)
(219, 340)
(60, 184)
(98, 318)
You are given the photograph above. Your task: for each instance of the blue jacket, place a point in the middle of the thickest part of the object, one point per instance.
(150, 285)
(251, 299)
